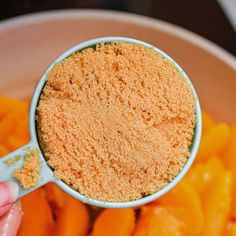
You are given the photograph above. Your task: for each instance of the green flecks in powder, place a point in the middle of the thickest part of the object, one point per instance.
(17, 157)
(12, 160)
(9, 161)
(28, 175)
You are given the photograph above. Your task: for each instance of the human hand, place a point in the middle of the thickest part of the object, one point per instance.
(10, 211)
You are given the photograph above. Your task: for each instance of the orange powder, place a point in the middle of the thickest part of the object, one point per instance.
(28, 175)
(116, 121)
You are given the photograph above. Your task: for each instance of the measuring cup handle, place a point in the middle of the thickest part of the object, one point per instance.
(15, 160)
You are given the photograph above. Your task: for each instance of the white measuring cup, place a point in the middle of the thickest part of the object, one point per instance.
(46, 173)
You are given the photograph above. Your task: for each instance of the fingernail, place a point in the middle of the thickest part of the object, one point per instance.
(14, 190)
(8, 192)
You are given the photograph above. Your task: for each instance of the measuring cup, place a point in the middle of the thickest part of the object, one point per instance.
(46, 173)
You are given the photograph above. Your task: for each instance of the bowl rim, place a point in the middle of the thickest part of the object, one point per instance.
(157, 24)
(146, 199)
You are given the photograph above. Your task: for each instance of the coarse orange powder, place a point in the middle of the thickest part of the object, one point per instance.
(116, 122)
(28, 175)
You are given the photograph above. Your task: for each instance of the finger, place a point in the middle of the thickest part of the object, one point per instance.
(8, 193)
(4, 209)
(10, 222)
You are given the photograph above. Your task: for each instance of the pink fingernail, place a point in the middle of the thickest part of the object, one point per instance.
(14, 190)
(8, 192)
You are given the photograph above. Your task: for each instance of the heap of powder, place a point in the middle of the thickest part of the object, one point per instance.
(116, 122)
(28, 175)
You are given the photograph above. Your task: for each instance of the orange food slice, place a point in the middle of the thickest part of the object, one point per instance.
(8, 105)
(3, 150)
(201, 175)
(115, 222)
(184, 203)
(54, 195)
(11, 120)
(37, 219)
(72, 219)
(216, 204)
(207, 122)
(181, 206)
(229, 158)
(158, 220)
(232, 231)
(213, 141)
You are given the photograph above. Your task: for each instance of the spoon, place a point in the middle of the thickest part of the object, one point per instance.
(46, 174)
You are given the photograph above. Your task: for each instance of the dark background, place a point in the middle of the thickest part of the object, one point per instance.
(204, 17)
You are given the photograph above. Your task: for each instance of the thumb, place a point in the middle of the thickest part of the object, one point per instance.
(8, 194)
(10, 222)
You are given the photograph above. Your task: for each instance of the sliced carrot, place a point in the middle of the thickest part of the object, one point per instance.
(73, 218)
(37, 219)
(213, 141)
(216, 204)
(207, 122)
(115, 222)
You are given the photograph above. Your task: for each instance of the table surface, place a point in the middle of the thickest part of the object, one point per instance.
(204, 17)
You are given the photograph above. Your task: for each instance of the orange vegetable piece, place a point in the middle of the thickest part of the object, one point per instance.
(55, 196)
(37, 219)
(184, 204)
(21, 131)
(216, 204)
(13, 143)
(158, 221)
(3, 150)
(8, 105)
(229, 153)
(207, 122)
(11, 120)
(7, 125)
(73, 218)
(177, 213)
(195, 177)
(229, 158)
(213, 141)
(115, 222)
(232, 231)
(201, 175)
